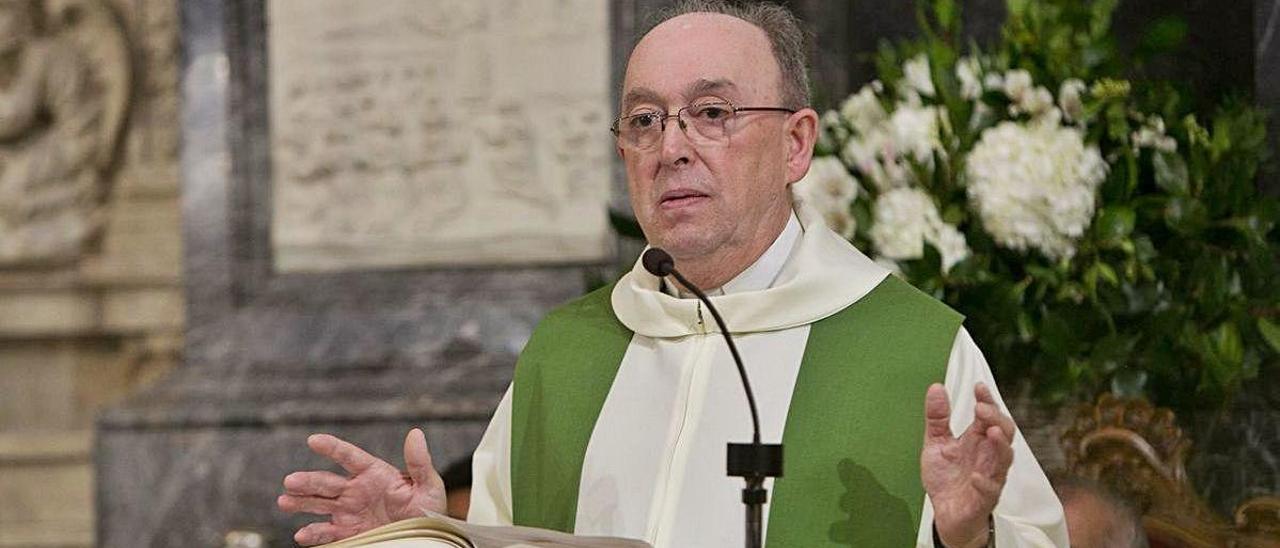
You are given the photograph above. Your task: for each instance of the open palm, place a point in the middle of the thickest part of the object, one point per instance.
(374, 494)
(964, 475)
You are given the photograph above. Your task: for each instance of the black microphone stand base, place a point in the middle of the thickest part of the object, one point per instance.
(755, 462)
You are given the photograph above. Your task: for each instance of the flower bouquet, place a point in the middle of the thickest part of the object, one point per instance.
(1095, 232)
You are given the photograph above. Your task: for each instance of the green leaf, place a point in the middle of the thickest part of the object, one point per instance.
(1171, 172)
(1270, 333)
(945, 12)
(1227, 346)
(1166, 34)
(1115, 223)
(1186, 215)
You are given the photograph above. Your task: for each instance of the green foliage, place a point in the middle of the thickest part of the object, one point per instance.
(1174, 290)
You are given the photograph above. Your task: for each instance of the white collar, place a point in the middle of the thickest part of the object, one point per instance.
(823, 275)
(762, 273)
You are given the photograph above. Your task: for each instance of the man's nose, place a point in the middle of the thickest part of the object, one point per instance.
(675, 145)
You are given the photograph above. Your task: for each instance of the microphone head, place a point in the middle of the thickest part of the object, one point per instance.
(658, 262)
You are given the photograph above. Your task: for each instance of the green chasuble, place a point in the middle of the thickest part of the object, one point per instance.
(853, 431)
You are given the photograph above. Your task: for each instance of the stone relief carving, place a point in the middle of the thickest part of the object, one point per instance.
(444, 132)
(65, 80)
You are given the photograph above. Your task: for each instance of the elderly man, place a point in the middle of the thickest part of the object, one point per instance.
(623, 400)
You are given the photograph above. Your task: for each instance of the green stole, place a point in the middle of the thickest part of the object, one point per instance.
(853, 433)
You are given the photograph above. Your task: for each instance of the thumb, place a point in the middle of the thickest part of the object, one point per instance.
(937, 414)
(417, 458)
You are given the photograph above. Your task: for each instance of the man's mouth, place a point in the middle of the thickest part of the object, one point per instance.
(675, 199)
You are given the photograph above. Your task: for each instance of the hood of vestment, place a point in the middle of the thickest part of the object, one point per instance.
(823, 275)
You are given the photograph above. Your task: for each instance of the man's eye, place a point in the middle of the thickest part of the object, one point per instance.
(643, 121)
(710, 112)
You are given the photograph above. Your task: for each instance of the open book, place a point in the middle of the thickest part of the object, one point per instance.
(437, 531)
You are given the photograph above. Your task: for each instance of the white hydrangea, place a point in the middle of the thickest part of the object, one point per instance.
(831, 189)
(1035, 186)
(863, 110)
(906, 218)
(1069, 99)
(915, 132)
(1017, 83)
(967, 70)
(916, 74)
(1024, 95)
(863, 151)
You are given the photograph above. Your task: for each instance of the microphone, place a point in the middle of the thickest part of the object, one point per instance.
(754, 461)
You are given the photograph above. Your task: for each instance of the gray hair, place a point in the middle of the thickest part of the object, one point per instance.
(787, 39)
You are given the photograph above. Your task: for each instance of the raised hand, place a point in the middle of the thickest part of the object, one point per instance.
(964, 476)
(374, 493)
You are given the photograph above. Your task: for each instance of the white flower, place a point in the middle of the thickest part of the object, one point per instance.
(1069, 99)
(915, 132)
(916, 74)
(829, 188)
(1017, 83)
(863, 110)
(1152, 135)
(906, 218)
(1034, 102)
(863, 151)
(967, 70)
(993, 82)
(833, 131)
(1035, 186)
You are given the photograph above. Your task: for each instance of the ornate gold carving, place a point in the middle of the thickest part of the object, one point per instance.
(1139, 451)
(65, 81)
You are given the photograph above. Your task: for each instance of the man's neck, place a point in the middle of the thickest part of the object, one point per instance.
(714, 269)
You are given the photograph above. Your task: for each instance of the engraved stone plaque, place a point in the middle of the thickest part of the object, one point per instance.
(419, 133)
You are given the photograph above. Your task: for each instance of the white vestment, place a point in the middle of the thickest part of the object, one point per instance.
(654, 468)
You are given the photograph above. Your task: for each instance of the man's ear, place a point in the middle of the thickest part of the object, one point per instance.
(801, 134)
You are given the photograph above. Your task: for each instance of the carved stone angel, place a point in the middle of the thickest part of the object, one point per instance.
(64, 89)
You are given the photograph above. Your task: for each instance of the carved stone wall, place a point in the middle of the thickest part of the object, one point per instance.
(460, 133)
(91, 308)
(347, 346)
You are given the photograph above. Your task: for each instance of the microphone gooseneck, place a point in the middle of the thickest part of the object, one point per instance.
(754, 461)
(660, 264)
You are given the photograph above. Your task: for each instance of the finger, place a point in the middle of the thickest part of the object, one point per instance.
(1002, 450)
(937, 413)
(314, 484)
(317, 533)
(311, 505)
(994, 454)
(989, 414)
(351, 458)
(417, 458)
(983, 393)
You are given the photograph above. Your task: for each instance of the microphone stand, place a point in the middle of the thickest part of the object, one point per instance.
(753, 461)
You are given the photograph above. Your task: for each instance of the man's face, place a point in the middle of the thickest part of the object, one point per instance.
(693, 199)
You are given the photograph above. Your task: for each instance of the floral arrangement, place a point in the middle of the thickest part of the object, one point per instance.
(1095, 232)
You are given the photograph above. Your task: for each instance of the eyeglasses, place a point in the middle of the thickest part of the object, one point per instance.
(704, 123)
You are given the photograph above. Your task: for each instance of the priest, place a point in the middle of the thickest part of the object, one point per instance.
(623, 400)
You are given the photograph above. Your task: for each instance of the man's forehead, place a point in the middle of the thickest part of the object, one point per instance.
(698, 53)
(696, 88)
